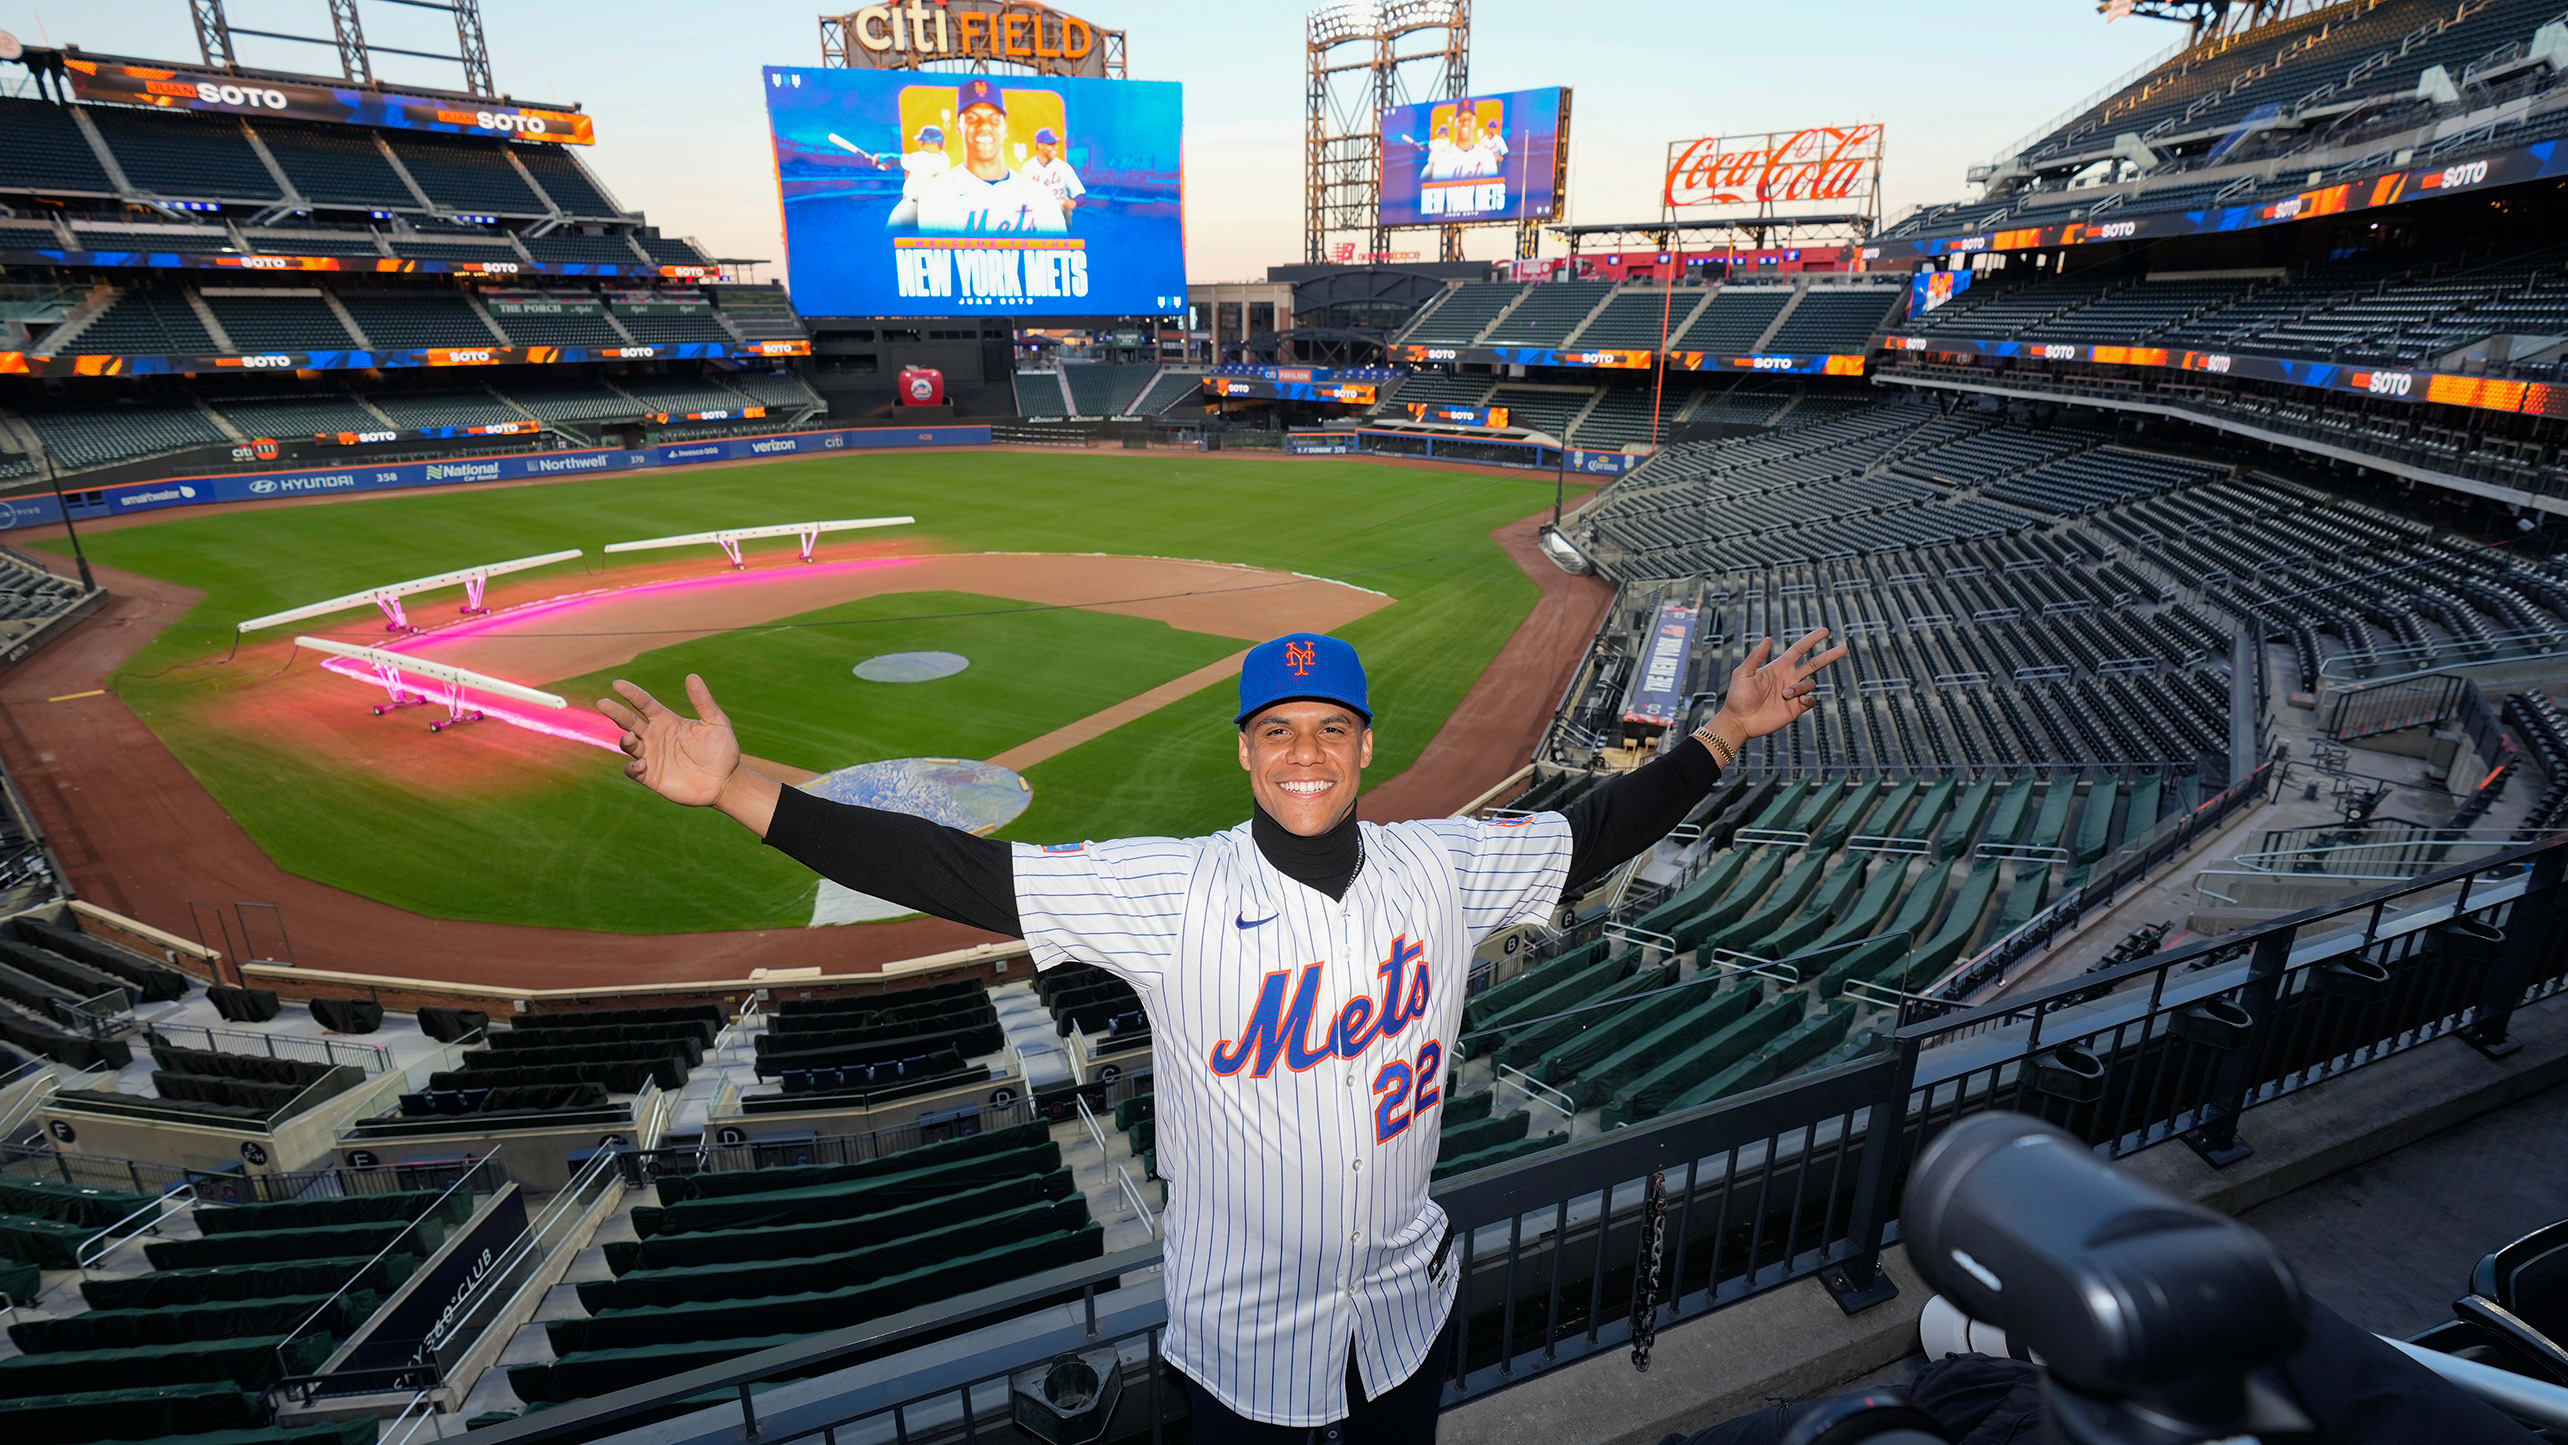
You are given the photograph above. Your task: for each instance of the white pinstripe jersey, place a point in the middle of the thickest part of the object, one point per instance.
(1299, 1045)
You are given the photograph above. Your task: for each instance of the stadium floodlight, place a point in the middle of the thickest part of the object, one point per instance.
(389, 597)
(730, 538)
(403, 677)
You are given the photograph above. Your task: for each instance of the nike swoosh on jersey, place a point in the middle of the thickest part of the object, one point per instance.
(1244, 921)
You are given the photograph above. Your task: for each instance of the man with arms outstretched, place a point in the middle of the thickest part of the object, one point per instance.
(1303, 976)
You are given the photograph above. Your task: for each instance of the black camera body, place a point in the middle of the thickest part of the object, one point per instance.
(2157, 1320)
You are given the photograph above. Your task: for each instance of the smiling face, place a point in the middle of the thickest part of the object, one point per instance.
(985, 129)
(1305, 761)
(1048, 150)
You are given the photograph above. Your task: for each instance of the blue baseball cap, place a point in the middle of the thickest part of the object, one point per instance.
(979, 92)
(1046, 137)
(1297, 666)
(931, 134)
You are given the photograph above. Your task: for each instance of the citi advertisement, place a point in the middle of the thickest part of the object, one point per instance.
(917, 194)
(1480, 158)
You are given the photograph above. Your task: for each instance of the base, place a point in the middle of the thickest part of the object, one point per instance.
(1854, 1298)
(2221, 1157)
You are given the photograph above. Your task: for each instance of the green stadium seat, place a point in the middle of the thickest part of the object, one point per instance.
(1884, 817)
(174, 1288)
(1484, 1133)
(2053, 821)
(1535, 979)
(678, 1188)
(1526, 1045)
(2095, 822)
(1839, 825)
(1578, 988)
(1816, 806)
(2143, 812)
(251, 1362)
(1930, 958)
(908, 1216)
(1496, 1154)
(1753, 881)
(956, 1234)
(635, 1336)
(146, 1412)
(1752, 928)
(1967, 815)
(1692, 1064)
(1467, 1108)
(1818, 913)
(1609, 1074)
(843, 1200)
(184, 1324)
(1866, 960)
(1929, 812)
(1699, 891)
(269, 1246)
(2014, 809)
(1809, 1039)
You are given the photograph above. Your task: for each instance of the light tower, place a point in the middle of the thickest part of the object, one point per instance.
(1366, 57)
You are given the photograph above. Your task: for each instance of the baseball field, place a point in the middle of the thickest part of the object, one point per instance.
(1096, 640)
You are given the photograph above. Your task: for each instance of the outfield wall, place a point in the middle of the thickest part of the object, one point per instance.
(124, 498)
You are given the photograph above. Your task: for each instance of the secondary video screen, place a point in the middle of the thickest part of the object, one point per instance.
(910, 193)
(1481, 158)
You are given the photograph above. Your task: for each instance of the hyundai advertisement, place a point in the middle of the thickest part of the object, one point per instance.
(910, 193)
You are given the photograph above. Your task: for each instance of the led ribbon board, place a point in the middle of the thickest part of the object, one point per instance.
(389, 597)
(730, 538)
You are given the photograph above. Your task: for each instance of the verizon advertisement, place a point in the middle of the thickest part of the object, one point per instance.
(1823, 167)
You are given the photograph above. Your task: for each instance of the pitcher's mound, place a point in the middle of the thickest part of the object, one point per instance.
(912, 666)
(975, 797)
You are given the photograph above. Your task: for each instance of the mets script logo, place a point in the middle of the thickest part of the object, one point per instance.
(1276, 1030)
(1300, 656)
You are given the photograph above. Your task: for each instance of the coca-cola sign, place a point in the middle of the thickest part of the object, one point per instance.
(1823, 163)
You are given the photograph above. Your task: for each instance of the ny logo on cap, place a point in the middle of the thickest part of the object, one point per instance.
(1300, 656)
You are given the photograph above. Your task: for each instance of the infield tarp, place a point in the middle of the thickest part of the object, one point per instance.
(30, 511)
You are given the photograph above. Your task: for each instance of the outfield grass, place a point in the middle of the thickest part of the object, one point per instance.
(501, 825)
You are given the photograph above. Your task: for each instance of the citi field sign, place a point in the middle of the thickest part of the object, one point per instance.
(906, 34)
(1821, 164)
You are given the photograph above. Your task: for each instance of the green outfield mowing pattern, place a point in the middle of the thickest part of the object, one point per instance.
(497, 824)
(793, 697)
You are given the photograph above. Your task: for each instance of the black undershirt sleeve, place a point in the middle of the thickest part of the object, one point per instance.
(900, 858)
(1618, 818)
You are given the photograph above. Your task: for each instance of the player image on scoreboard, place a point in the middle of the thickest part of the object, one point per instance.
(906, 195)
(1486, 157)
(1465, 169)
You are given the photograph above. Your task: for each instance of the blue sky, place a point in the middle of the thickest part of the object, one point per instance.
(682, 131)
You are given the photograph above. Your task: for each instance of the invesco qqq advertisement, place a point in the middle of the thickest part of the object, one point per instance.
(913, 193)
(1484, 157)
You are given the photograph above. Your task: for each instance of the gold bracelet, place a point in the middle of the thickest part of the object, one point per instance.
(1720, 750)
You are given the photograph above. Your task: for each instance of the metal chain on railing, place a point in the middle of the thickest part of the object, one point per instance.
(1645, 1270)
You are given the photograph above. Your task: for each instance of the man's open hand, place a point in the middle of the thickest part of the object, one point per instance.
(685, 760)
(1767, 696)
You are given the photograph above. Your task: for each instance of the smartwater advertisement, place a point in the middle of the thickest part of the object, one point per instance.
(910, 193)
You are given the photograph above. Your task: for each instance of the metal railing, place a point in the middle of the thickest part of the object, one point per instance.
(1088, 1120)
(373, 1058)
(641, 1166)
(94, 1250)
(1132, 1197)
(1794, 1181)
(2392, 664)
(487, 1172)
(2126, 866)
